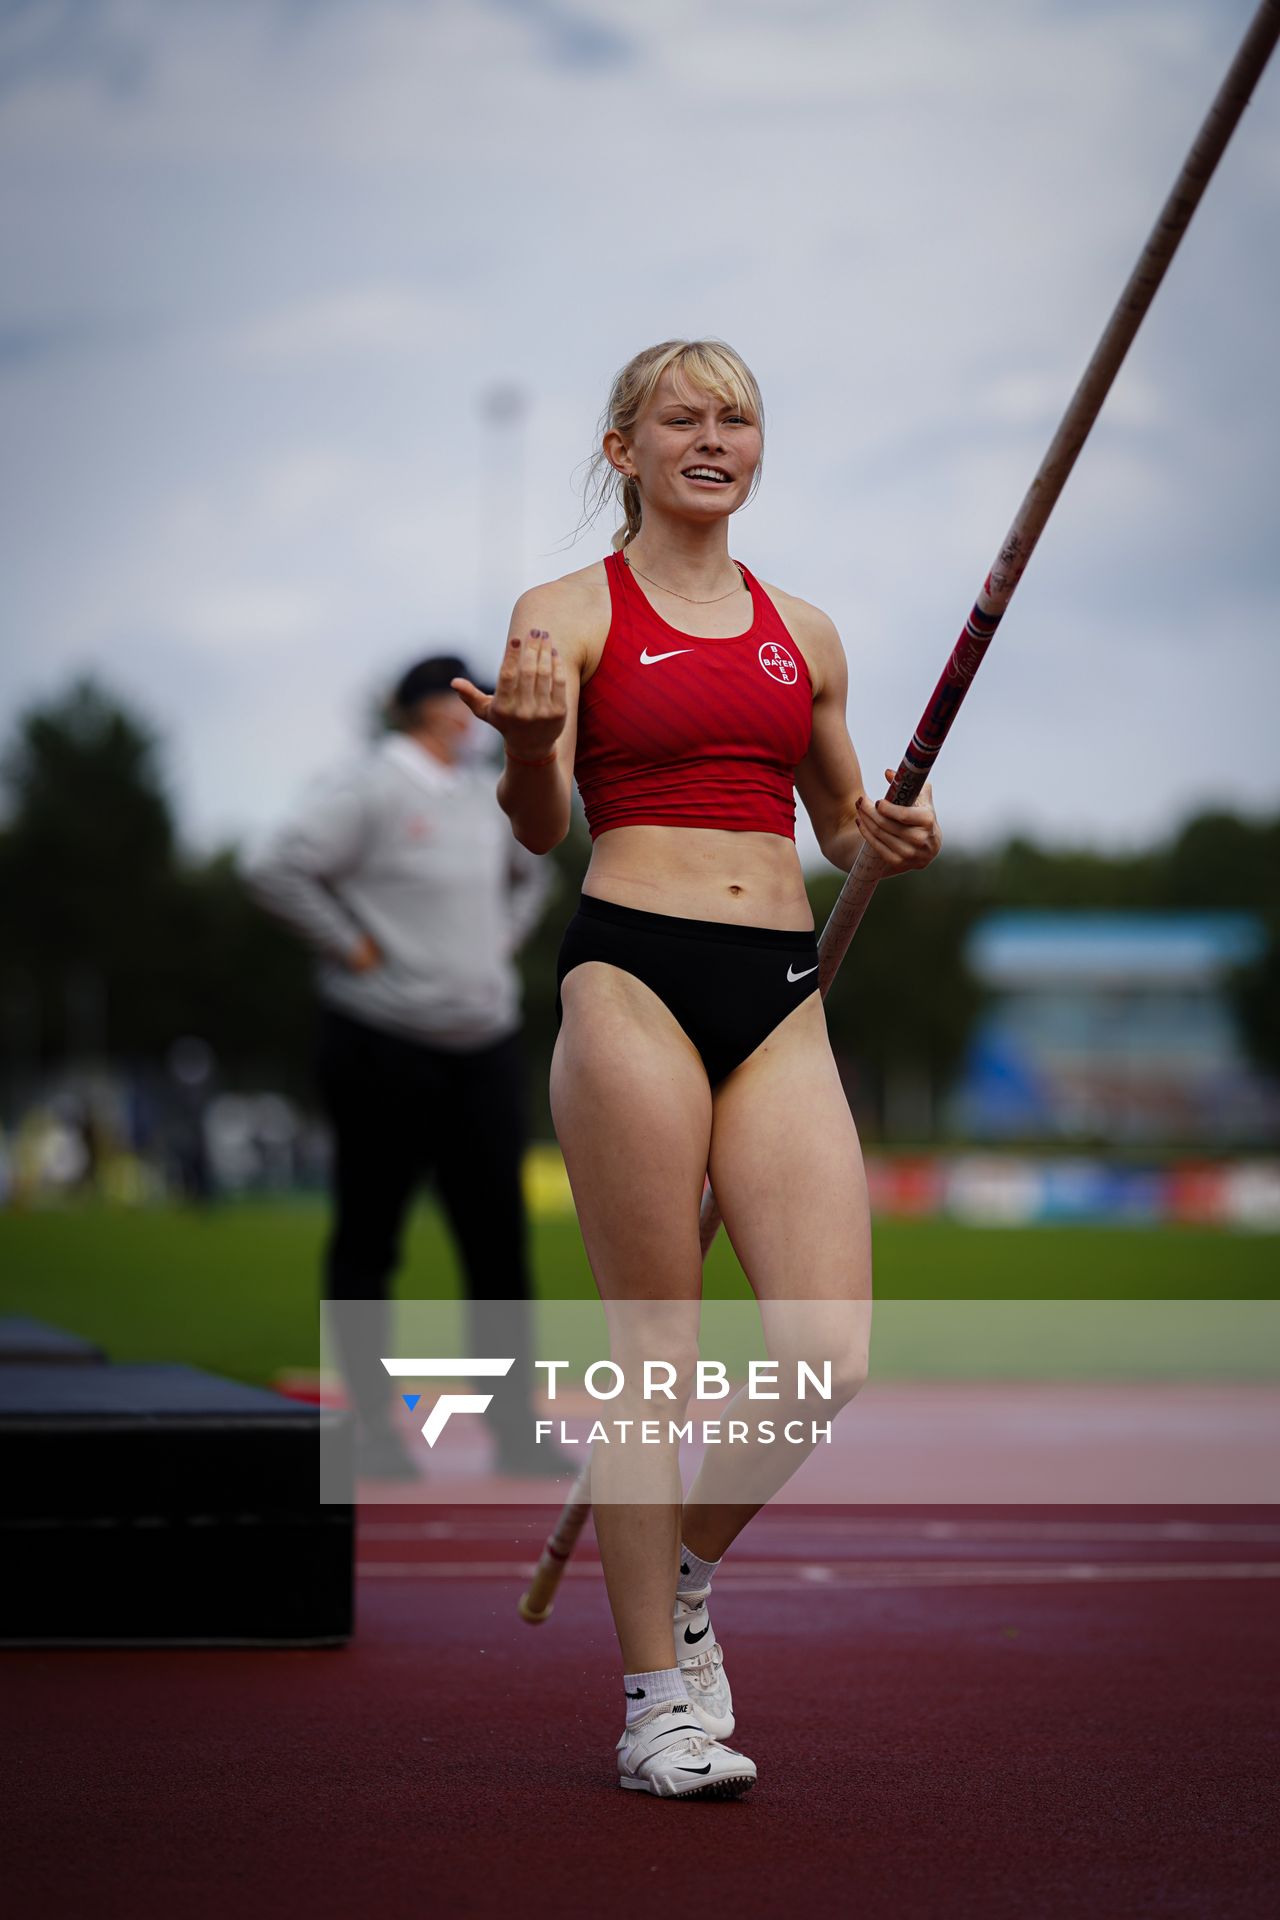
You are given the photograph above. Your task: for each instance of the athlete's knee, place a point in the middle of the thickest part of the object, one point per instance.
(659, 1373)
(671, 1383)
(827, 1375)
(849, 1369)
(670, 1380)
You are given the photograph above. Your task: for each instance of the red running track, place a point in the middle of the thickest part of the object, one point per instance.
(968, 1712)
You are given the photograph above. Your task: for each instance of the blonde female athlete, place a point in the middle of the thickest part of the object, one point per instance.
(691, 701)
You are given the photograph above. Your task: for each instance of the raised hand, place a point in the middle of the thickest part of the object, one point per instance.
(902, 837)
(529, 705)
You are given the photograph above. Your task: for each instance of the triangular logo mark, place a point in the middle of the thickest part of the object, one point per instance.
(411, 1400)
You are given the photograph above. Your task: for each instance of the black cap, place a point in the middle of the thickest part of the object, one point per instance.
(432, 676)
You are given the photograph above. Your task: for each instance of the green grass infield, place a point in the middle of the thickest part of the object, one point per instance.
(235, 1288)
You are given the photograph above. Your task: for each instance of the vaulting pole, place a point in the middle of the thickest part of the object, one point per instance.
(1042, 495)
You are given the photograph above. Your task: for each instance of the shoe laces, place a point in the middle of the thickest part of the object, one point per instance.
(694, 1744)
(704, 1671)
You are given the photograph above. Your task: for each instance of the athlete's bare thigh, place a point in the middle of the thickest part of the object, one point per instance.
(786, 1167)
(632, 1111)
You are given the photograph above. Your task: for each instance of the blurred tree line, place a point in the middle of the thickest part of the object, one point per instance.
(114, 942)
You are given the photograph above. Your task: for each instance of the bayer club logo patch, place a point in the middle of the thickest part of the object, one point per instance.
(778, 663)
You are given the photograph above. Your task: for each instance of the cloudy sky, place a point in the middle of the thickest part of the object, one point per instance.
(267, 261)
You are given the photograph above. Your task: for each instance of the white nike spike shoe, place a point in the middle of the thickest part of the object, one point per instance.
(700, 1658)
(668, 1753)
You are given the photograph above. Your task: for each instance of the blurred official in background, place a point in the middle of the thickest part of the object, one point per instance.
(402, 874)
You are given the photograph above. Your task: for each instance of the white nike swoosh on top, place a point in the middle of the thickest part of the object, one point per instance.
(648, 659)
(801, 974)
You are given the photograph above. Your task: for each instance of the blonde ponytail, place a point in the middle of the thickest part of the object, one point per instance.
(632, 507)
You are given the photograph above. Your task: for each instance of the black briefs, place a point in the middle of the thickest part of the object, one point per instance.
(728, 986)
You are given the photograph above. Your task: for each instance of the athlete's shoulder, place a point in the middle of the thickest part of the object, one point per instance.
(813, 631)
(574, 610)
(804, 619)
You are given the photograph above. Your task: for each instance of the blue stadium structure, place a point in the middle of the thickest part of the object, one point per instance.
(1113, 1026)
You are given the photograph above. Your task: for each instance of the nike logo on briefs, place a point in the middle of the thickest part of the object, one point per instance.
(648, 659)
(800, 976)
(639, 1693)
(693, 1638)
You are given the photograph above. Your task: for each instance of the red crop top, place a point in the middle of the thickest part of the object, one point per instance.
(678, 731)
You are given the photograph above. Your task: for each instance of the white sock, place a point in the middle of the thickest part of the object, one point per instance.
(645, 1690)
(695, 1574)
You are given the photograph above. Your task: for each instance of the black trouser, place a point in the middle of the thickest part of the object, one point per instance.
(403, 1112)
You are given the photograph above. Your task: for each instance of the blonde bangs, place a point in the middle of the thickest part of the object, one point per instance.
(710, 368)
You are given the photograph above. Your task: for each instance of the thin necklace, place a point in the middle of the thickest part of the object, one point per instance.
(686, 596)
